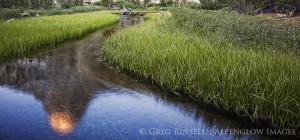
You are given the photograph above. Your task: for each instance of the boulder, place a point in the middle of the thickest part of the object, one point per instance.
(11, 20)
(24, 14)
(281, 15)
(257, 11)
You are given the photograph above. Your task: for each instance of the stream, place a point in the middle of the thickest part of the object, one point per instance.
(71, 93)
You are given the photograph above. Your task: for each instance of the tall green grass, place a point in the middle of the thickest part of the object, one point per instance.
(26, 35)
(242, 30)
(8, 13)
(256, 84)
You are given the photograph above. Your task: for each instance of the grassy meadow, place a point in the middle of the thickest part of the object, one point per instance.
(9, 13)
(29, 34)
(260, 85)
(254, 32)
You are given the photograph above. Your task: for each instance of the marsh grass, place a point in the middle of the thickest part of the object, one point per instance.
(8, 13)
(254, 32)
(255, 84)
(30, 34)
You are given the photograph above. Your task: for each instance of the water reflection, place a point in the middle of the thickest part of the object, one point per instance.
(84, 98)
(61, 122)
(65, 88)
(63, 79)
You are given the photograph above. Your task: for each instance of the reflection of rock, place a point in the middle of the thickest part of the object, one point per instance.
(65, 109)
(20, 72)
(63, 84)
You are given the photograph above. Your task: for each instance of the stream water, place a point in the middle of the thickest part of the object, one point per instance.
(71, 93)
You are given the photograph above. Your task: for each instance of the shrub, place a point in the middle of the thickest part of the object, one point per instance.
(59, 12)
(98, 3)
(249, 5)
(6, 13)
(155, 8)
(211, 5)
(33, 13)
(193, 5)
(65, 5)
(119, 3)
(128, 5)
(169, 2)
(163, 9)
(78, 9)
(105, 3)
(149, 4)
(94, 8)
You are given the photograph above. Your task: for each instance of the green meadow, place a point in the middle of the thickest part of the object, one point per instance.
(230, 74)
(29, 34)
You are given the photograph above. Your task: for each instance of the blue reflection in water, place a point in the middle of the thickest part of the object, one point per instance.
(119, 113)
(22, 116)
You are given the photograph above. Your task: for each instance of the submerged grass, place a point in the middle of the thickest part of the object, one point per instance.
(26, 35)
(256, 84)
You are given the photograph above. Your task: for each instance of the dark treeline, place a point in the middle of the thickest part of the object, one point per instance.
(37, 3)
(246, 5)
(256, 3)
